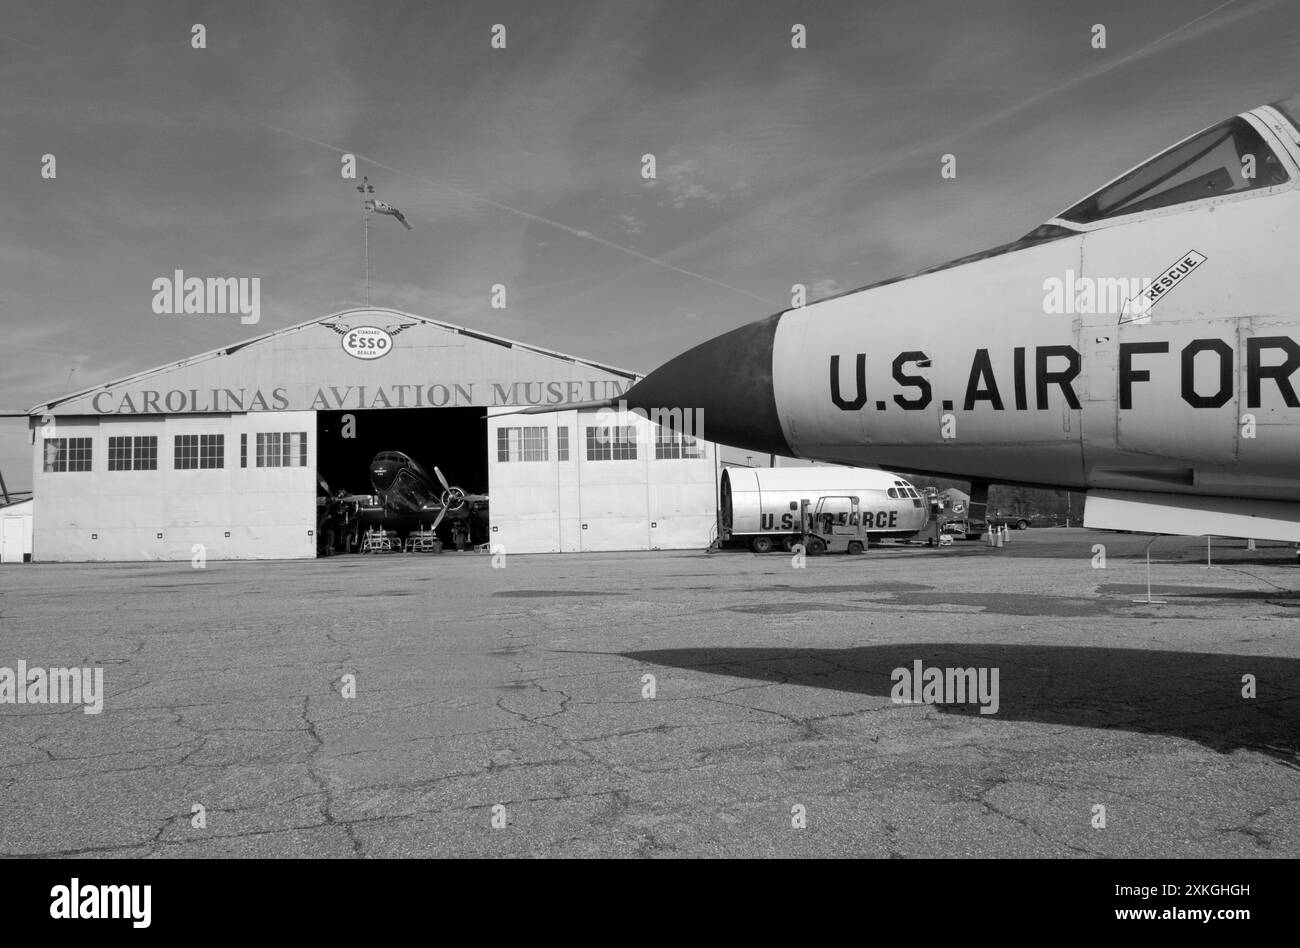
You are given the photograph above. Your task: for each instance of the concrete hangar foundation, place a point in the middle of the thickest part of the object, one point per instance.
(226, 449)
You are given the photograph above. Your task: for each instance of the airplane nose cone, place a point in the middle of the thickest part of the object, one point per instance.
(729, 380)
(382, 476)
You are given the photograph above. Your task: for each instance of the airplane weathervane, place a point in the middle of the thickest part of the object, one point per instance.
(379, 207)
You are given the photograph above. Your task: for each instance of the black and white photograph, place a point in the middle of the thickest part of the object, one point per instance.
(650, 430)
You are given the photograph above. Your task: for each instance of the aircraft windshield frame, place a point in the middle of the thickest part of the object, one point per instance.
(1208, 166)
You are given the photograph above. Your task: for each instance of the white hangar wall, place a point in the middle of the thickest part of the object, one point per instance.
(549, 500)
(237, 511)
(275, 385)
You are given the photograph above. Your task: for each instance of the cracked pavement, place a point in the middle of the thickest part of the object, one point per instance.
(522, 688)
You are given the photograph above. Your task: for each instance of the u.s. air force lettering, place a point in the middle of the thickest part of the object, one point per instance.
(1205, 374)
(871, 519)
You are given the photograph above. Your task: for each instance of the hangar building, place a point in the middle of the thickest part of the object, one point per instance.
(226, 449)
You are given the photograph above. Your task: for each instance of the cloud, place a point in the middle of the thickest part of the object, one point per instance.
(680, 177)
(824, 287)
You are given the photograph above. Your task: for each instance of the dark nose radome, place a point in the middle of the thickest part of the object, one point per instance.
(730, 379)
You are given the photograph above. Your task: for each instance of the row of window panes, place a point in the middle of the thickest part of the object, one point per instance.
(671, 445)
(603, 444)
(67, 454)
(191, 452)
(611, 443)
(281, 449)
(133, 453)
(200, 452)
(526, 444)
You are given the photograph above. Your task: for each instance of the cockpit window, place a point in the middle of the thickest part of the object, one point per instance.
(1229, 158)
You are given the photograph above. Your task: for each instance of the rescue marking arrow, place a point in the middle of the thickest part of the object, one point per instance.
(1138, 309)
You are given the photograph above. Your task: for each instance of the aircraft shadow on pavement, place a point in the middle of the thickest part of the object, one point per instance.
(1191, 695)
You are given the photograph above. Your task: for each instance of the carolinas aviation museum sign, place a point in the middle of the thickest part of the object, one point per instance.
(356, 360)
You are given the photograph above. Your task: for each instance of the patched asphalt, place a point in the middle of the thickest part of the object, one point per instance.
(516, 695)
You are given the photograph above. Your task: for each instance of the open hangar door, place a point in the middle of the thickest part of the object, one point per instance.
(454, 440)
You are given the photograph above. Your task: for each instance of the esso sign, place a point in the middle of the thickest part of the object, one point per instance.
(367, 342)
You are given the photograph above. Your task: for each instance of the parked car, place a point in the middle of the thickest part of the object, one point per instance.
(1022, 521)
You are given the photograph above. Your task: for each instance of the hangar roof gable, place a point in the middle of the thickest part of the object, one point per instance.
(355, 359)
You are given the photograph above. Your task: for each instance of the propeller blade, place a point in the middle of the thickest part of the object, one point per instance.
(445, 485)
(437, 520)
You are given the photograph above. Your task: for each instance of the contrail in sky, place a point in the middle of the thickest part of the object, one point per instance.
(14, 39)
(1007, 112)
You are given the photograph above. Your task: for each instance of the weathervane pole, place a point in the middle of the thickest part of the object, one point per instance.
(365, 187)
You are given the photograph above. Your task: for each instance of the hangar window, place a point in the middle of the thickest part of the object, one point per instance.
(671, 445)
(1229, 158)
(611, 444)
(282, 449)
(133, 453)
(562, 443)
(522, 444)
(67, 454)
(200, 451)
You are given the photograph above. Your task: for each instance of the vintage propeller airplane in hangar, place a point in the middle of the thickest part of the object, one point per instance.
(1140, 345)
(407, 493)
(405, 499)
(406, 489)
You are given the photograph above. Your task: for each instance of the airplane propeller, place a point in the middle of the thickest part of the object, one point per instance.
(438, 519)
(453, 498)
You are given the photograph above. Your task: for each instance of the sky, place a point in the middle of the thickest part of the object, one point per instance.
(523, 166)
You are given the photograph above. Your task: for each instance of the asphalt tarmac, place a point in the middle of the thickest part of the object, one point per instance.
(518, 696)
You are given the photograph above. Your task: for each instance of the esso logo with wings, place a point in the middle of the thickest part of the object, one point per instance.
(367, 342)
